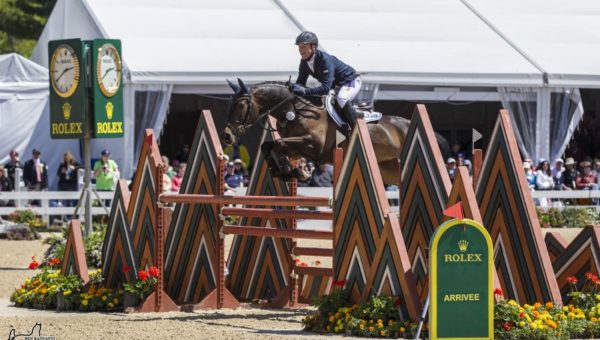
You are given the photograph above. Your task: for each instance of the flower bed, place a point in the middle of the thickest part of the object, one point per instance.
(379, 317)
(568, 217)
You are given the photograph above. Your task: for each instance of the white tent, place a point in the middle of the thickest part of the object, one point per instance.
(421, 50)
(25, 114)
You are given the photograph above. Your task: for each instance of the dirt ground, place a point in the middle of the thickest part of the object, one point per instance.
(242, 323)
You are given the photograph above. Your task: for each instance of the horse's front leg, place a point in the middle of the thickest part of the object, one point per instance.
(276, 152)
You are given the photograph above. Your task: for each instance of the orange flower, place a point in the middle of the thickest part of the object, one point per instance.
(154, 272)
(143, 275)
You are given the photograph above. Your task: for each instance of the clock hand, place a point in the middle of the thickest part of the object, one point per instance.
(106, 72)
(63, 72)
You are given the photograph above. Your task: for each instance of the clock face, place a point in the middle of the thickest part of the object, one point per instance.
(108, 70)
(64, 71)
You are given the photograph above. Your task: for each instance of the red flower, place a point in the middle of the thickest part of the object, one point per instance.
(339, 283)
(506, 326)
(33, 265)
(498, 291)
(317, 263)
(297, 260)
(154, 272)
(397, 302)
(53, 261)
(126, 269)
(522, 315)
(594, 279)
(302, 264)
(143, 275)
(572, 280)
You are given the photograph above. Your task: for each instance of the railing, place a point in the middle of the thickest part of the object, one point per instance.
(46, 209)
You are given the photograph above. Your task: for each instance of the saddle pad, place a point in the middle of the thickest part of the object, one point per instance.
(368, 115)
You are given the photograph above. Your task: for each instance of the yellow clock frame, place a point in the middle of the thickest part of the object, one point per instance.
(57, 52)
(119, 71)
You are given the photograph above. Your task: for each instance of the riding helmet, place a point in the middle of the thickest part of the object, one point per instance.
(307, 37)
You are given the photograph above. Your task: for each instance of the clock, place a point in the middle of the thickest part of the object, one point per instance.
(64, 71)
(108, 70)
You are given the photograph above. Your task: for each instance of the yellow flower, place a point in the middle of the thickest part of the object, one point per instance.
(565, 309)
(533, 325)
(370, 322)
(390, 322)
(103, 297)
(522, 324)
(331, 318)
(27, 281)
(84, 302)
(361, 326)
(20, 300)
(371, 329)
(512, 302)
(382, 333)
(67, 292)
(44, 291)
(110, 305)
(594, 319)
(402, 330)
(116, 301)
(335, 329)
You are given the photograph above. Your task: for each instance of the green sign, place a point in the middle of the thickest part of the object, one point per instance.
(66, 64)
(107, 76)
(461, 259)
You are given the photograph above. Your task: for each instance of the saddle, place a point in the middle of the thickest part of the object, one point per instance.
(363, 111)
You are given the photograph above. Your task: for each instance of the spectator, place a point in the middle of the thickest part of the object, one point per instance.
(35, 174)
(231, 178)
(178, 179)
(455, 149)
(166, 180)
(12, 165)
(543, 179)
(322, 176)
(557, 172)
(305, 168)
(182, 156)
(469, 166)
(460, 159)
(451, 166)
(169, 171)
(5, 185)
(569, 176)
(67, 176)
(586, 180)
(529, 175)
(106, 172)
(597, 170)
(240, 169)
(238, 151)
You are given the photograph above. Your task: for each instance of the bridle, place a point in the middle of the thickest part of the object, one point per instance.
(243, 125)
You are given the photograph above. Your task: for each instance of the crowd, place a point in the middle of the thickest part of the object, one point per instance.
(35, 174)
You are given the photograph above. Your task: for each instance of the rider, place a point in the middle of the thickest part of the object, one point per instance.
(330, 72)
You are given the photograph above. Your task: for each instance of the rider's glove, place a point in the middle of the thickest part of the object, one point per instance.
(298, 89)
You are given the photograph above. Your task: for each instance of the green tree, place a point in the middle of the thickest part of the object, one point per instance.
(21, 23)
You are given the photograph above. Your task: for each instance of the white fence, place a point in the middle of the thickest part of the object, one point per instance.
(51, 201)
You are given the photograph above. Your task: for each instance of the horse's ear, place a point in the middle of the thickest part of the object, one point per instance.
(243, 88)
(233, 86)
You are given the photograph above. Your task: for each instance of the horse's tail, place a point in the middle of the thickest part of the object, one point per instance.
(444, 146)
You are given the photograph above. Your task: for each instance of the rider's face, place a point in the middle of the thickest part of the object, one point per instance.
(306, 51)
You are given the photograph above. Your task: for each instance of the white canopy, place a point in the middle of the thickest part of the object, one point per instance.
(192, 46)
(430, 42)
(25, 114)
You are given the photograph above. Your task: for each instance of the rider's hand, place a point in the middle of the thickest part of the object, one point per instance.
(298, 89)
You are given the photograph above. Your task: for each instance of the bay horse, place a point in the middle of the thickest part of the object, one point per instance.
(307, 130)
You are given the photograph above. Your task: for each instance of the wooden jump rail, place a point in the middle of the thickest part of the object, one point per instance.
(280, 233)
(276, 201)
(278, 213)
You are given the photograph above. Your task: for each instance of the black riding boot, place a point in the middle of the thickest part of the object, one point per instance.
(350, 117)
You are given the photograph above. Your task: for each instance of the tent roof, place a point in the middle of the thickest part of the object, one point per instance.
(429, 42)
(15, 68)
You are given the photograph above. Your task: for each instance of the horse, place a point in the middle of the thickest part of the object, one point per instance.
(307, 131)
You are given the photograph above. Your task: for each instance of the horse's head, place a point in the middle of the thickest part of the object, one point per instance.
(242, 113)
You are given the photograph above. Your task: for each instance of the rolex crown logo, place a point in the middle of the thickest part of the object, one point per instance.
(66, 108)
(462, 245)
(109, 110)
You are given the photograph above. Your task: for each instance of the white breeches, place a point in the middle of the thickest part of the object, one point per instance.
(348, 91)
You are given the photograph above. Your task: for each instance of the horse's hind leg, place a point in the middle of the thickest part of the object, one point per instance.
(390, 172)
